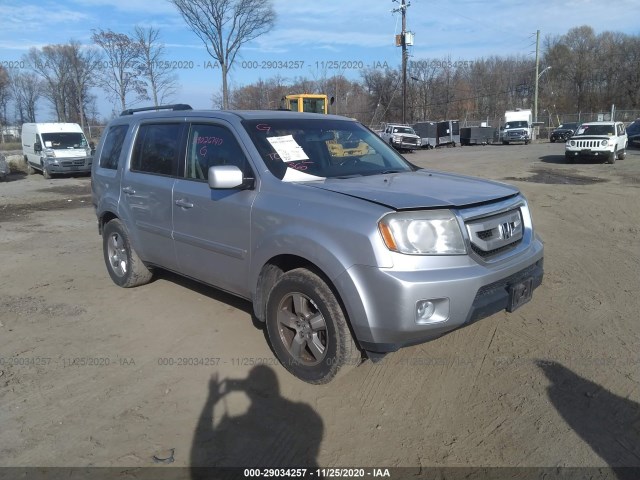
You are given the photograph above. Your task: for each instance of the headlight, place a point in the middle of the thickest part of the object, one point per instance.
(397, 138)
(49, 152)
(422, 233)
(604, 143)
(572, 143)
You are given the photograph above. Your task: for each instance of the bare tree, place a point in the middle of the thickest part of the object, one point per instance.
(162, 83)
(224, 26)
(5, 95)
(119, 74)
(27, 89)
(82, 67)
(52, 64)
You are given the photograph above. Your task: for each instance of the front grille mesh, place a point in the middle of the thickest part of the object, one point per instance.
(496, 251)
(587, 143)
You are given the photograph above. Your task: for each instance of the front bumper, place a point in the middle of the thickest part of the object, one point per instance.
(382, 302)
(589, 152)
(403, 145)
(68, 165)
(516, 138)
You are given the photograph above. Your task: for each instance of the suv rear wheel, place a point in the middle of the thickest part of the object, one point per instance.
(307, 328)
(123, 264)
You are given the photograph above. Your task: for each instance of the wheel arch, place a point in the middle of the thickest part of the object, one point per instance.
(105, 218)
(275, 267)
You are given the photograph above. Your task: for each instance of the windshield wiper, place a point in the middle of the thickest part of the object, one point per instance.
(342, 177)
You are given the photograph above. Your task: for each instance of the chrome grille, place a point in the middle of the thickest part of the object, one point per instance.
(495, 234)
(70, 163)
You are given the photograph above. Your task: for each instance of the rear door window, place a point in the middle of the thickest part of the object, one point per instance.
(157, 149)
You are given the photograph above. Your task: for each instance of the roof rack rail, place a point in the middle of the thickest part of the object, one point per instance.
(176, 106)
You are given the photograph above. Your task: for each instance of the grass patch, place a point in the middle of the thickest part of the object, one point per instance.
(4, 147)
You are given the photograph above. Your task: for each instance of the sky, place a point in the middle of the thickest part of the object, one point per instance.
(310, 37)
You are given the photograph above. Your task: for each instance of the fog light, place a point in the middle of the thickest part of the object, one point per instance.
(433, 310)
(424, 310)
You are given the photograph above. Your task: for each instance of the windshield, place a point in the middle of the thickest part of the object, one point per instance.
(62, 140)
(313, 105)
(596, 130)
(404, 130)
(568, 126)
(518, 124)
(299, 150)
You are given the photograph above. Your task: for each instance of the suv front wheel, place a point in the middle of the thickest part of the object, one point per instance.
(307, 328)
(123, 264)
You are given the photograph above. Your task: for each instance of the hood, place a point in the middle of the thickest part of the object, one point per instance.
(592, 137)
(419, 189)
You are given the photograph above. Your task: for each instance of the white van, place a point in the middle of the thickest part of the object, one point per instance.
(54, 148)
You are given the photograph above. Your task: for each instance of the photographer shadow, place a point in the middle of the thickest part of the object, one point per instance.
(608, 423)
(273, 433)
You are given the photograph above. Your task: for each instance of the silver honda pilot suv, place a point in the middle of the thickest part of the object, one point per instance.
(344, 256)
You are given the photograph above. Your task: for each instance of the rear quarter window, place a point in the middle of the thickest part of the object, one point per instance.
(113, 146)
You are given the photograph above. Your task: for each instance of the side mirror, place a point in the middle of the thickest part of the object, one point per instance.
(92, 146)
(225, 177)
(37, 147)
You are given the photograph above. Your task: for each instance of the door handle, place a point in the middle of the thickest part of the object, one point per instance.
(183, 203)
(128, 191)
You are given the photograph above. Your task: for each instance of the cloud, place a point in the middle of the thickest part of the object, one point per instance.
(157, 7)
(16, 19)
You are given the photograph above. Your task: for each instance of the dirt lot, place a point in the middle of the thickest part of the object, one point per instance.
(95, 375)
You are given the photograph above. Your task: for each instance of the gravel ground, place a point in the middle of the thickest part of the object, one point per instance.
(95, 375)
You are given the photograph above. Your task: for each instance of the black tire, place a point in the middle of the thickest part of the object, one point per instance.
(568, 158)
(622, 154)
(123, 264)
(611, 159)
(505, 143)
(46, 173)
(307, 328)
(552, 140)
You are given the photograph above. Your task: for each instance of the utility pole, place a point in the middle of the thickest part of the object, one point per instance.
(535, 95)
(403, 43)
(404, 62)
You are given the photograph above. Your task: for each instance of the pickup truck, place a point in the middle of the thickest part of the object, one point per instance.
(401, 137)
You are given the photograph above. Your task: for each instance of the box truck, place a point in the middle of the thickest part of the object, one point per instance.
(56, 148)
(518, 126)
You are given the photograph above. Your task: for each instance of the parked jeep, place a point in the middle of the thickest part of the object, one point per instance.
(600, 140)
(343, 257)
